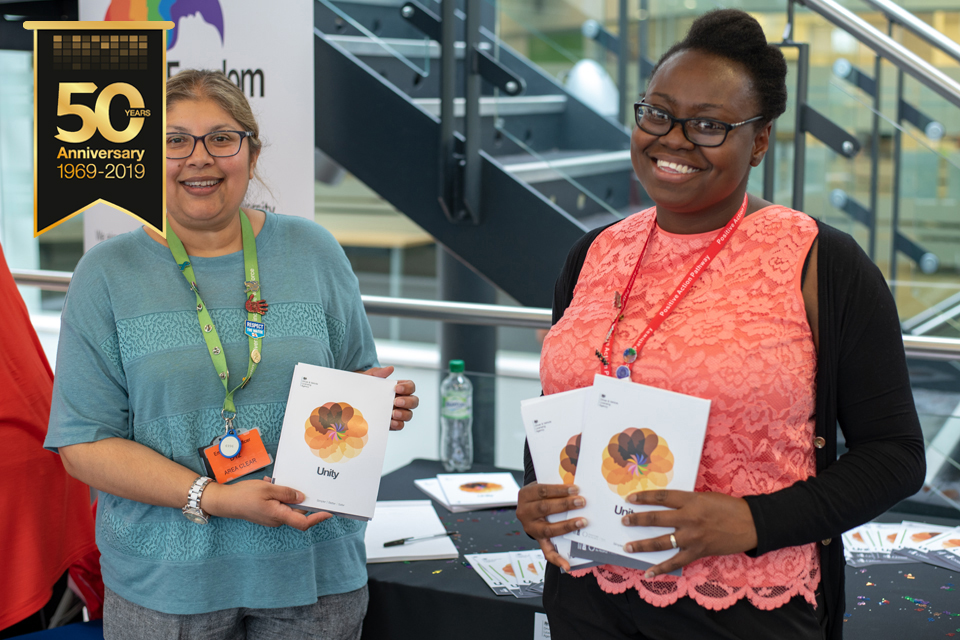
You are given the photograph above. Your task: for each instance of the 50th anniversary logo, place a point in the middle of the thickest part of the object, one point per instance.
(99, 119)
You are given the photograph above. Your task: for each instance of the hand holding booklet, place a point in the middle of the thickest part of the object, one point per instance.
(334, 438)
(633, 438)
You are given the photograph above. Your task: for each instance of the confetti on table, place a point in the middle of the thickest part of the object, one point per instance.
(870, 584)
(909, 576)
(438, 571)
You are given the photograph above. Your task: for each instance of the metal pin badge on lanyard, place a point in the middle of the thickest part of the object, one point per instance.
(230, 442)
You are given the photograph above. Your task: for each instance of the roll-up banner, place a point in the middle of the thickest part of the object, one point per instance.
(99, 111)
(266, 49)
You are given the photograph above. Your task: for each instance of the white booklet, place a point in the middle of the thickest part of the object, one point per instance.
(635, 438)
(401, 519)
(553, 424)
(431, 487)
(479, 490)
(334, 438)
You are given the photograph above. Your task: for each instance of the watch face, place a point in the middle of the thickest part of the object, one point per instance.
(194, 515)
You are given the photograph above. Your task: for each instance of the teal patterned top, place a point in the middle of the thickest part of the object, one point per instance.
(132, 364)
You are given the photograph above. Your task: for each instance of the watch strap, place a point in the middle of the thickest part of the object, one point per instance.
(196, 490)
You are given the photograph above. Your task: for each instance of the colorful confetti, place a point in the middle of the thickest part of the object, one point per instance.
(438, 571)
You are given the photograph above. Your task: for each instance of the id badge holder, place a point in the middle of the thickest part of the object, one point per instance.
(251, 456)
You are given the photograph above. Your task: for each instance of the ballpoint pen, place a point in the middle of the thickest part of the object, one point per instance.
(397, 543)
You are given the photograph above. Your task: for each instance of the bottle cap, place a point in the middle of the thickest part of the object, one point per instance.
(456, 366)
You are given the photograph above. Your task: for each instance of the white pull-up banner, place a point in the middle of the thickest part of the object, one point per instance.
(267, 50)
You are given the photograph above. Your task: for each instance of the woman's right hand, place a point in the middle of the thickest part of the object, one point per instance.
(260, 502)
(537, 501)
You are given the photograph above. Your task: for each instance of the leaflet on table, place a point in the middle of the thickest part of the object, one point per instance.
(944, 548)
(913, 538)
(396, 519)
(333, 439)
(431, 487)
(483, 490)
(635, 438)
(516, 573)
(553, 425)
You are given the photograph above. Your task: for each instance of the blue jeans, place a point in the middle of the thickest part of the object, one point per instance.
(334, 617)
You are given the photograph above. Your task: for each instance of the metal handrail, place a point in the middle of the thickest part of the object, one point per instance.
(455, 312)
(916, 26)
(923, 347)
(887, 48)
(459, 312)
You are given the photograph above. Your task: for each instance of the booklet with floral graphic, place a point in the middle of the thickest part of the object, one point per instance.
(553, 424)
(635, 438)
(333, 439)
(479, 490)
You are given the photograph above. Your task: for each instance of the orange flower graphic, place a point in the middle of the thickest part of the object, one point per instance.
(336, 431)
(637, 460)
(480, 487)
(569, 456)
(951, 544)
(921, 536)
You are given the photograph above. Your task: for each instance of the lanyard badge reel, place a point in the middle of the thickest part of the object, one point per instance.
(230, 442)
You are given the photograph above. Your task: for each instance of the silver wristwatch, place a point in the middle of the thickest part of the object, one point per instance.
(192, 509)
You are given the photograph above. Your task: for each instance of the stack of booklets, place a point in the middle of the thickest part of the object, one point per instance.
(406, 530)
(889, 543)
(334, 438)
(615, 438)
(460, 492)
(512, 573)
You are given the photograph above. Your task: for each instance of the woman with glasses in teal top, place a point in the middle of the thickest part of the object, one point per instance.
(136, 400)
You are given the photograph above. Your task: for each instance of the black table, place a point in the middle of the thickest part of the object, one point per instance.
(443, 599)
(446, 599)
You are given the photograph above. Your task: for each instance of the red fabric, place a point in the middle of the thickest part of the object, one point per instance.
(87, 581)
(47, 522)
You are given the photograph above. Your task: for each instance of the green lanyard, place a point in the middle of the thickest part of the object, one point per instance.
(253, 328)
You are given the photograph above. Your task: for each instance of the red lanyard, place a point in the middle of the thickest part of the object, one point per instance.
(631, 353)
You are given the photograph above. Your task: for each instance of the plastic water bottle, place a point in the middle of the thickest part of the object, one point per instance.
(456, 420)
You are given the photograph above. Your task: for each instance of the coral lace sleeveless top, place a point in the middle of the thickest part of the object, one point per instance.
(741, 339)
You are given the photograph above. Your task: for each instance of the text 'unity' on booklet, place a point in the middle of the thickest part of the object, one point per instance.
(614, 439)
(334, 438)
(635, 438)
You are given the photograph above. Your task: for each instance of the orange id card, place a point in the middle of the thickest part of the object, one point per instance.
(253, 455)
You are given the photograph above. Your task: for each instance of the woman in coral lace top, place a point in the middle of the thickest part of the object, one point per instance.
(789, 330)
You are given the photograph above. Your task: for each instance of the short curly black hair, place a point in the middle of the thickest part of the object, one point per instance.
(735, 35)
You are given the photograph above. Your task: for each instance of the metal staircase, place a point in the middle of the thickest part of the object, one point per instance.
(542, 151)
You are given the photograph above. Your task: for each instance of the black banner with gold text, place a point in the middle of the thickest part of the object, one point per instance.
(99, 90)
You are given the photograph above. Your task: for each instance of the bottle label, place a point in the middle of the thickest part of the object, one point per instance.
(457, 406)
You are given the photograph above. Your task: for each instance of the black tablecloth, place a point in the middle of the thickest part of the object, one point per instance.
(443, 599)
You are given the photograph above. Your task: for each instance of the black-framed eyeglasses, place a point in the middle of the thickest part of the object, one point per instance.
(219, 144)
(704, 132)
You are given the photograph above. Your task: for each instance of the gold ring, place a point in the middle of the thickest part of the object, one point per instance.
(673, 541)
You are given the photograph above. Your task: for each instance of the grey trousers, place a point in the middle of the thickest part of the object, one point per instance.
(333, 617)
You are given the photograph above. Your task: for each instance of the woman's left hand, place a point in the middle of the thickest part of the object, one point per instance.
(404, 403)
(706, 523)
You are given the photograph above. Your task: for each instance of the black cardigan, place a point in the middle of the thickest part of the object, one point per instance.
(862, 384)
